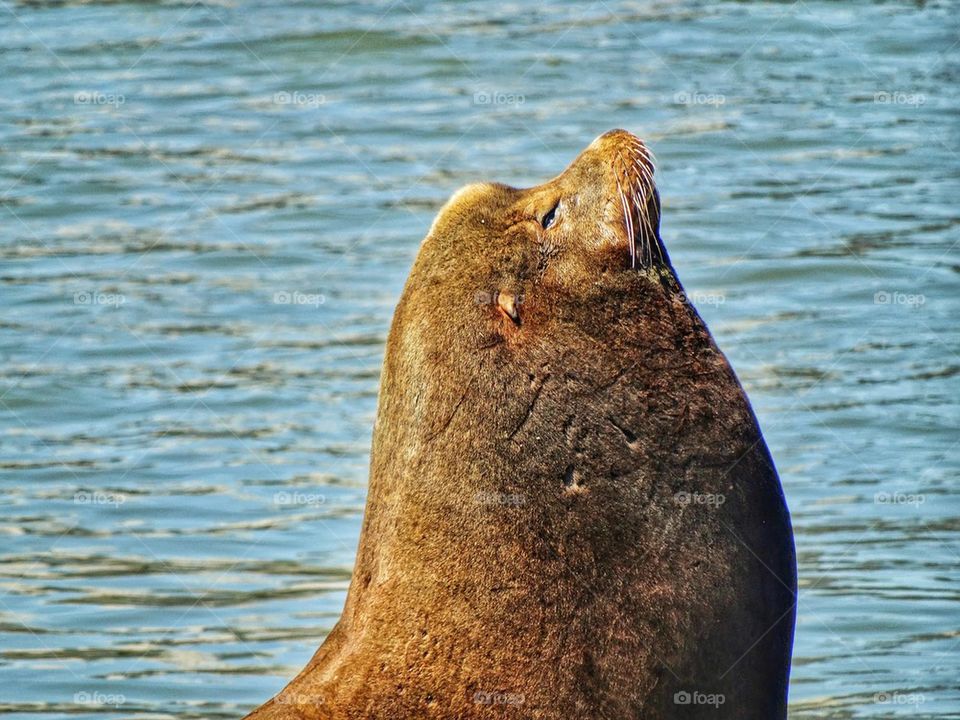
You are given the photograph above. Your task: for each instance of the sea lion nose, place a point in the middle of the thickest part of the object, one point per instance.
(615, 136)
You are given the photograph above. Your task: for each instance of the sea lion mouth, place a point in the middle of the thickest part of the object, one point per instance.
(634, 166)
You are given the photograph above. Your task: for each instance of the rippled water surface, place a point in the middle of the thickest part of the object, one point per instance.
(184, 453)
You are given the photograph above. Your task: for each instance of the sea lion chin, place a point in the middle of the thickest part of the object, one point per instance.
(572, 512)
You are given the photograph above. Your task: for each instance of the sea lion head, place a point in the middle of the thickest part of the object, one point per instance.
(601, 215)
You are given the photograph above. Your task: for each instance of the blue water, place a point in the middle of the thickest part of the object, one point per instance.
(209, 212)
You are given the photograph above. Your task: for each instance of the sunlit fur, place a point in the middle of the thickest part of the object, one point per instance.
(548, 397)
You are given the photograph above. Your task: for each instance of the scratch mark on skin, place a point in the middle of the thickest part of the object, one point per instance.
(536, 396)
(613, 381)
(627, 432)
(453, 414)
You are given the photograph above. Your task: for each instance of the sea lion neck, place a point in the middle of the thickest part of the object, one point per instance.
(524, 422)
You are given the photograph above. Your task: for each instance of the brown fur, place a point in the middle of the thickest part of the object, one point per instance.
(525, 552)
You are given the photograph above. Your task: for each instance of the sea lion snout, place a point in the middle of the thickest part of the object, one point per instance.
(620, 167)
(617, 135)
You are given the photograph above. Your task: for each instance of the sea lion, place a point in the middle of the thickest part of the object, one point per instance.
(572, 512)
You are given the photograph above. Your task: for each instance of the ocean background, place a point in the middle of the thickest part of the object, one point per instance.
(209, 210)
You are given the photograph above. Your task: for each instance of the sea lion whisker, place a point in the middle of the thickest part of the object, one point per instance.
(652, 237)
(643, 175)
(648, 178)
(650, 156)
(649, 234)
(643, 222)
(626, 205)
(639, 168)
(646, 152)
(628, 220)
(641, 188)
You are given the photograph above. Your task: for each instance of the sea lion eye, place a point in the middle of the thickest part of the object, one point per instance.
(549, 217)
